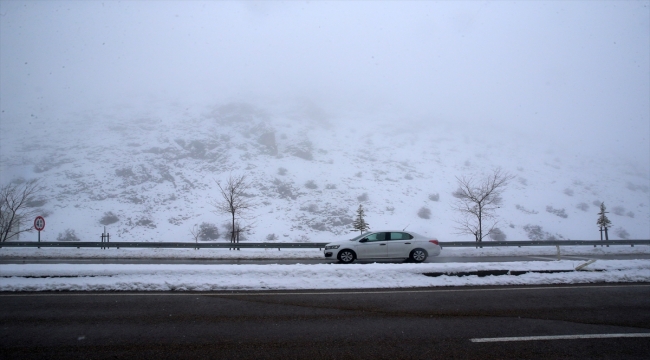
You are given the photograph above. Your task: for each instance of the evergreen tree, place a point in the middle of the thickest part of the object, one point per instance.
(359, 223)
(603, 221)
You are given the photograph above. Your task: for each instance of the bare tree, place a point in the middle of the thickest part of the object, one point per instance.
(15, 199)
(477, 200)
(234, 201)
(196, 233)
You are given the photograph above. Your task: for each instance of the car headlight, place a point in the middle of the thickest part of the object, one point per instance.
(329, 247)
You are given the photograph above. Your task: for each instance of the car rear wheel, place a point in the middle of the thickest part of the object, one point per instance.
(418, 255)
(346, 256)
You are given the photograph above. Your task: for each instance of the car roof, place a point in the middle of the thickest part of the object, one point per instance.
(405, 231)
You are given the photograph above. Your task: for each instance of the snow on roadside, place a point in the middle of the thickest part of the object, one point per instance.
(273, 253)
(112, 277)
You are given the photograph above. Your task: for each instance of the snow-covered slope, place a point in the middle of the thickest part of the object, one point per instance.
(150, 175)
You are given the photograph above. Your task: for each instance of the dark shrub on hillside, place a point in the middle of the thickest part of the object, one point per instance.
(497, 235)
(434, 197)
(109, 218)
(208, 232)
(35, 203)
(535, 232)
(635, 187)
(524, 210)
(621, 233)
(312, 208)
(146, 223)
(268, 140)
(67, 235)
(363, 197)
(424, 213)
(124, 172)
(285, 190)
(559, 212)
(303, 150)
(459, 194)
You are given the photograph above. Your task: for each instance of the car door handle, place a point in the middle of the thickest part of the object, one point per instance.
(382, 244)
(407, 243)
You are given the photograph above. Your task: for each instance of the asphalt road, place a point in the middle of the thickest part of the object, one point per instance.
(459, 323)
(433, 259)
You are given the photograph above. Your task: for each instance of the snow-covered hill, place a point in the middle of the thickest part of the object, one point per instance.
(150, 175)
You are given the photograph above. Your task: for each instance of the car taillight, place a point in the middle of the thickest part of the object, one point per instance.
(434, 241)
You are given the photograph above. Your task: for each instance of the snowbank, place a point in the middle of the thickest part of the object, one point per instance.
(132, 253)
(111, 277)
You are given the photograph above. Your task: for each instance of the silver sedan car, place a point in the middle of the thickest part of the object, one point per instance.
(385, 244)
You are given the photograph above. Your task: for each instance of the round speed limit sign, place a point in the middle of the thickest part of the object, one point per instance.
(39, 223)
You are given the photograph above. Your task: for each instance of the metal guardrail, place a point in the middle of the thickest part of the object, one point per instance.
(159, 245)
(543, 243)
(306, 245)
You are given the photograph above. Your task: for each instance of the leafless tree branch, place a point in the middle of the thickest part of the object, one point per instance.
(196, 233)
(14, 210)
(234, 201)
(477, 201)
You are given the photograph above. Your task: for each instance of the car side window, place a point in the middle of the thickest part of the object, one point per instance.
(400, 236)
(376, 237)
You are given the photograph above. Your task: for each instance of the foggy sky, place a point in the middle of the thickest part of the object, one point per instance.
(578, 71)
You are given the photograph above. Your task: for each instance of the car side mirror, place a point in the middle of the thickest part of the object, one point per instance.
(363, 240)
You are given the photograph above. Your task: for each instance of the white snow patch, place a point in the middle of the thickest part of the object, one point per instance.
(112, 277)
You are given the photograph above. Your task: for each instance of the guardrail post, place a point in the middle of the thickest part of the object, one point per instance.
(559, 257)
(106, 238)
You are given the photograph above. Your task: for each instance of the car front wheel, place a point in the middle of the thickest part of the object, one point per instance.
(346, 256)
(418, 255)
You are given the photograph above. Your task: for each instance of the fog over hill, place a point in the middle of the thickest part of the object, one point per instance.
(129, 113)
(152, 176)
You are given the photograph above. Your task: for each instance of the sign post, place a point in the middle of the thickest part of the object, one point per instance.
(39, 224)
(105, 237)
